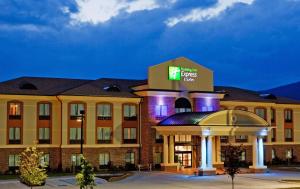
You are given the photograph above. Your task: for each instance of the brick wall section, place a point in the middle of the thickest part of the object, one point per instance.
(54, 156)
(148, 119)
(198, 103)
(117, 155)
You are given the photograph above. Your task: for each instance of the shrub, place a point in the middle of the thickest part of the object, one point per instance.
(32, 172)
(86, 177)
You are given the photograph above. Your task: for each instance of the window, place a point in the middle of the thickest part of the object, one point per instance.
(273, 135)
(159, 138)
(14, 135)
(241, 138)
(180, 110)
(104, 135)
(243, 156)
(223, 157)
(75, 159)
(224, 139)
(288, 133)
(160, 111)
(129, 157)
(44, 111)
(75, 135)
(261, 112)
(182, 105)
(75, 111)
(183, 138)
(157, 159)
(130, 135)
(44, 135)
(104, 160)
(130, 112)
(273, 115)
(289, 153)
(104, 112)
(45, 159)
(183, 148)
(288, 116)
(206, 109)
(14, 110)
(273, 153)
(13, 160)
(243, 108)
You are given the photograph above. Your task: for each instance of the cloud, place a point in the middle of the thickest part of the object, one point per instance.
(199, 14)
(24, 27)
(100, 11)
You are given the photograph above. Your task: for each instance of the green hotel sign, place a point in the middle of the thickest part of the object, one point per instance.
(177, 73)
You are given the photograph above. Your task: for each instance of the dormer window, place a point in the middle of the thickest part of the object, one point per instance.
(27, 86)
(268, 96)
(112, 88)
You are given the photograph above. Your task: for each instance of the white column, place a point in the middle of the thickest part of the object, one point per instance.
(166, 149)
(203, 152)
(209, 152)
(254, 152)
(260, 152)
(171, 149)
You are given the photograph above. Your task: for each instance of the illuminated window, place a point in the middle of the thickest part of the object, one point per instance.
(129, 157)
(182, 105)
(288, 116)
(183, 138)
(160, 111)
(44, 135)
(129, 135)
(75, 135)
(13, 160)
(288, 133)
(104, 135)
(104, 159)
(104, 111)
(241, 138)
(157, 158)
(14, 110)
(14, 135)
(44, 111)
(75, 110)
(75, 159)
(159, 138)
(130, 112)
(261, 112)
(206, 108)
(243, 156)
(273, 154)
(289, 153)
(45, 160)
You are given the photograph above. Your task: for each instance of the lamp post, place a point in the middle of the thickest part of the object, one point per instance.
(82, 112)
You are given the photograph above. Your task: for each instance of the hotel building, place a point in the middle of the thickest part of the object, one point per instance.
(175, 118)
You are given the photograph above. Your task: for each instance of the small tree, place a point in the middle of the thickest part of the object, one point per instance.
(232, 161)
(86, 177)
(32, 172)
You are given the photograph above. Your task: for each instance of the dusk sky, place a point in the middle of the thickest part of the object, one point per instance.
(252, 44)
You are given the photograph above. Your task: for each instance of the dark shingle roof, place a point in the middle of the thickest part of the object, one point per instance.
(244, 95)
(73, 87)
(97, 88)
(45, 86)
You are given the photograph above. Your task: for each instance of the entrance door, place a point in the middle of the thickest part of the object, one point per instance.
(184, 158)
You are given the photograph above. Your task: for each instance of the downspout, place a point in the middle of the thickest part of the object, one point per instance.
(140, 128)
(61, 126)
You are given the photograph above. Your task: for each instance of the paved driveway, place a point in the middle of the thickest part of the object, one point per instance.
(162, 180)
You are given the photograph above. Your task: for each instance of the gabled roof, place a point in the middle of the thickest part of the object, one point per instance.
(44, 86)
(244, 95)
(98, 88)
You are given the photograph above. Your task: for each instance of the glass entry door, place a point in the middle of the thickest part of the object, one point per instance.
(184, 158)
